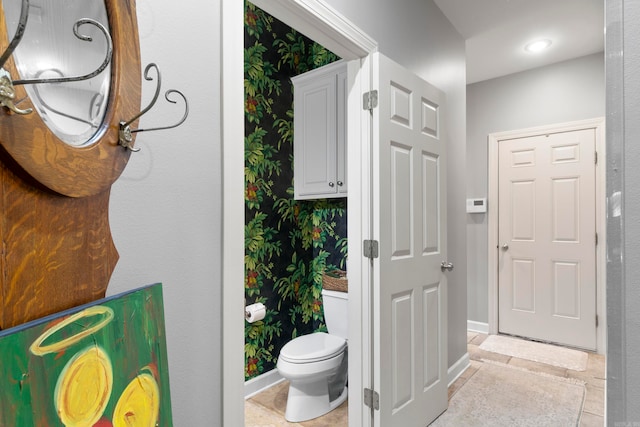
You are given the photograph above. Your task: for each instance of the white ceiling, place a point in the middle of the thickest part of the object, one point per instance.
(496, 32)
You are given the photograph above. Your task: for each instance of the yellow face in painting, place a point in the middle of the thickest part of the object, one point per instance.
(84, 388)
(139, 403)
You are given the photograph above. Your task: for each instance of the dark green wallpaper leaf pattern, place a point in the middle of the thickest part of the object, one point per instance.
(288, 243)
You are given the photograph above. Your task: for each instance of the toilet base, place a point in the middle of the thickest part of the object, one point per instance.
(307, 401)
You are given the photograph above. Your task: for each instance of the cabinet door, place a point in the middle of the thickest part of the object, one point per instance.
(315, 136)
(341, 123)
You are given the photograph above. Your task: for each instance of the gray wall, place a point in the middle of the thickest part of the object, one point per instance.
(165, 208)
(563, 92)
(623, 220)
(418, 36)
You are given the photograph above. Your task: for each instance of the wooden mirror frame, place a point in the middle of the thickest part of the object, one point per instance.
(56, 249)
(85, 170)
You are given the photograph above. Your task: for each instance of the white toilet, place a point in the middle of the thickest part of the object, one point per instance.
(316, 364)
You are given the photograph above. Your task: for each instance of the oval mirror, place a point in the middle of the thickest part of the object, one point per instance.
(73, 111)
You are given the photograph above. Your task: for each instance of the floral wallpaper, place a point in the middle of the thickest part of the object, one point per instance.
(288, 243)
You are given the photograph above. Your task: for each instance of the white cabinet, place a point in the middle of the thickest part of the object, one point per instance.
(319, 132)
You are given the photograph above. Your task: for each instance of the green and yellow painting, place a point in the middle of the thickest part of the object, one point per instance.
(103, 364)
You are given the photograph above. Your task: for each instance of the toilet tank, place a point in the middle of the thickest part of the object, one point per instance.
(336, 312)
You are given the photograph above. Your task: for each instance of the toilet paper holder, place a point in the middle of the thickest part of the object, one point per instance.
(255, 312)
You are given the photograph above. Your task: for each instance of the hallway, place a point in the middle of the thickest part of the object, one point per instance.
(267, 408)
(593, 377)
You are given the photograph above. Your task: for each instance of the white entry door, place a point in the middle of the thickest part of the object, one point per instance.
(547, 238)
(410, 297)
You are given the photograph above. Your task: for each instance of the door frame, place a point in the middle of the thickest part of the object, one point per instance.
(492, 196)
(326, 26)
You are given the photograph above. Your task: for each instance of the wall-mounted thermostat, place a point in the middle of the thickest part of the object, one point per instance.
(476, 205)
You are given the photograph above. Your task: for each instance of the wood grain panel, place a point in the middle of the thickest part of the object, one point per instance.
(57, 251)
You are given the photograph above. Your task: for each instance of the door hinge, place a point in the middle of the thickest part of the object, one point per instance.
(597, 321)
(370, 100)
(372, 399)
(596, 239)
(370, 249)
(596, 157)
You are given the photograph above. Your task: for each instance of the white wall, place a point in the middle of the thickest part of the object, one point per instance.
(165, 209)
(563, 92)
(623, 224)
(418, 36)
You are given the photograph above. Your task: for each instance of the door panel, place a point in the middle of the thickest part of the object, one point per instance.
(401, 200)
(546, 273)
(565, 207)
(431, 309)
(410, 328)
(566, 287)
(319, 127)
(401, 354)
(523, 203)
(430, 203)
(524, 285)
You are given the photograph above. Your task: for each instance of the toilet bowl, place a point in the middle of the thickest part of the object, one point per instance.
(316, 366)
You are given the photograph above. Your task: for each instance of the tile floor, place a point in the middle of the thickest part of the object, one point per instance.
(267, 408)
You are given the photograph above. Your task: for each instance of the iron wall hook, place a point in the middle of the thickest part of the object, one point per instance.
(7, 90)
(22, 24)
(126, 133)
(184, 116)
(76, 32)
(8, 93)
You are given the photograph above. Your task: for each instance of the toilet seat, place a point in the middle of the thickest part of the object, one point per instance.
(312, 348)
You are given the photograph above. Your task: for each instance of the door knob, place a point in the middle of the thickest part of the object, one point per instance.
(331, 184)
(444, 265)
(505, 247)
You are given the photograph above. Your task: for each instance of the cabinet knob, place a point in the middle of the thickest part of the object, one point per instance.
(331, 184)
(339, 183)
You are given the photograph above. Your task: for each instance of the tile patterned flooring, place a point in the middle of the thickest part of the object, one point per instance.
(267, 408)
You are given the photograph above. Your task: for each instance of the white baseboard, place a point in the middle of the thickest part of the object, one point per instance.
(271, 378)
(458, 369)
(477, 326)
(261, 382)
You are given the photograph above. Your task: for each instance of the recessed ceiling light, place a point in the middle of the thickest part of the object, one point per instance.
(538, 45)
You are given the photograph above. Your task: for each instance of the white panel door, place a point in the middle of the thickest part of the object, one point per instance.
(547, 232)
(410, 301)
